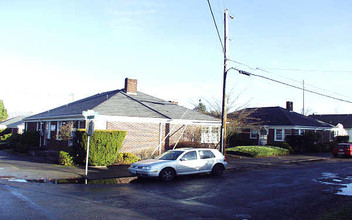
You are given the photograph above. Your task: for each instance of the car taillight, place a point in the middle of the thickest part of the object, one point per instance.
(225, 159)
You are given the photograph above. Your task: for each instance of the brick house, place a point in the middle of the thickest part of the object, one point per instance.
(342, 123)
(151, 123)
(270, 125)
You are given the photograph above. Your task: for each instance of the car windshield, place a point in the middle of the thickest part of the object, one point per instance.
(170, 155)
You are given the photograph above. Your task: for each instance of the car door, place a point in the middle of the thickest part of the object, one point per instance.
(207, 159)
(188, 163)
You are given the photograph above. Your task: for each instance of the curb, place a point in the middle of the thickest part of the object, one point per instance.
(261, 165)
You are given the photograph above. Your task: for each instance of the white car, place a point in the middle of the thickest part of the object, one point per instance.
(181, 162)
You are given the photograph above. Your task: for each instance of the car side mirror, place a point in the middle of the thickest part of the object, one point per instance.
(182, 159)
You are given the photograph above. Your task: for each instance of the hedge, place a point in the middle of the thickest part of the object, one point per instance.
(22, 142)
(258, 151)
(104, 146)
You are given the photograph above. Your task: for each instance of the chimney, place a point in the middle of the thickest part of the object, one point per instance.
(131, 86)
(289, 106)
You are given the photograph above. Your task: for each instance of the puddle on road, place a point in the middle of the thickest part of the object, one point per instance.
(17, 180)
(343, 183)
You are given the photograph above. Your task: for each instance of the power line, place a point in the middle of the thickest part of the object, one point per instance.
(309, 70)
(293, 86)
(293, 80)
(216, 26)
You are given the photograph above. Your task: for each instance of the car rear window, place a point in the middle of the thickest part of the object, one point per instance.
(206, 154)
(344, 146)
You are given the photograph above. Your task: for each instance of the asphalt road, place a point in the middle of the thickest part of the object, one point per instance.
(292, 191)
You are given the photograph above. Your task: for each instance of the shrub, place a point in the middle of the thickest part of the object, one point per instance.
(65, 159)
(303, 143)
(259, 151)
(5, 137)
(22, 142)
(239, 139)
(126, 159)
(103, 147)
(5, 131)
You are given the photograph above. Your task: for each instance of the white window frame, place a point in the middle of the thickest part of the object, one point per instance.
(48, 129)
(58, 128)
(210, 134)
(282, 135)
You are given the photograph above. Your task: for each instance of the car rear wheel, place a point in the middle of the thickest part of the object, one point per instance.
(218, 170)
(167, 174)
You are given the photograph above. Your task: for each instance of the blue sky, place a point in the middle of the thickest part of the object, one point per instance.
(53, 52)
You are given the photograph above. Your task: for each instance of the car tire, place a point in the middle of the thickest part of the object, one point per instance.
(218, 170)
(335, 155)
(167, 174)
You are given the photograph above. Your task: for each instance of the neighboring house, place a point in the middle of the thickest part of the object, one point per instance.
(15, 124)
(151, 123)
(342, 123)
(269, 125)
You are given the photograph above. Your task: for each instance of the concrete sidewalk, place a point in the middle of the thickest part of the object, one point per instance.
(38, 168)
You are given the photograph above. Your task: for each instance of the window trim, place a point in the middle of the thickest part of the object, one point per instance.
(210, 134)
(282, 135)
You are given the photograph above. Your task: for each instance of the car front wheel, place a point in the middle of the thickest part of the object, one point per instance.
(167, 174)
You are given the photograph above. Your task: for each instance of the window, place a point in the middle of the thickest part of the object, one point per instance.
(190, 156)
(253, 134)
(210, 134)
(81, 125)
(288, 132)
(279, 134)
(206, 154)
(170, 155)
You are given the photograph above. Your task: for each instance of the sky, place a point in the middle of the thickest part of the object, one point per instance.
(56, 52)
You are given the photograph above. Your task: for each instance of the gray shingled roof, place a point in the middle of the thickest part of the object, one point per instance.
(13, 122)
(334, 119)
(119, 103)
(277, 116)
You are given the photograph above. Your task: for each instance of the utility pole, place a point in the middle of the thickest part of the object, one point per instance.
(303, 100)
(224, 108)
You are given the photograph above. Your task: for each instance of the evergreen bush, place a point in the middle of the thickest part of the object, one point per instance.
(65, 158)
(104, 146)
(22, 142)
(5, 137)
(126, 159)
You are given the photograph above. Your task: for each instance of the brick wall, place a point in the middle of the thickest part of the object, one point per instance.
(145, 136)
(140, 136)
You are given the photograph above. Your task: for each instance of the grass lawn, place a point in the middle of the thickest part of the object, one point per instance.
(258, 151)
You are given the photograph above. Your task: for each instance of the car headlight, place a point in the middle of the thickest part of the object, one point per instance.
(146, 168)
